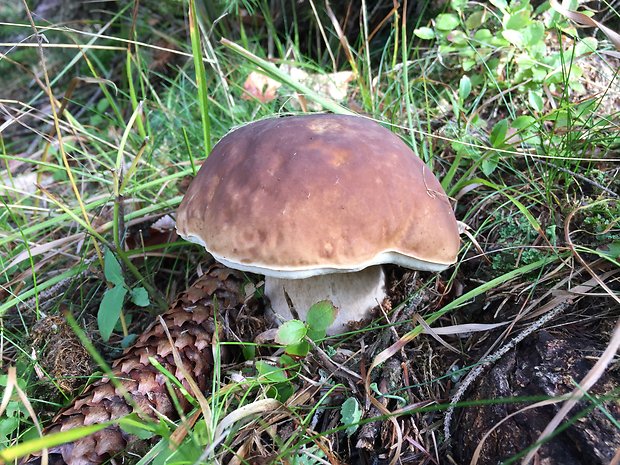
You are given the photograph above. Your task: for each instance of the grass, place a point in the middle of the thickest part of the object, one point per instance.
(138, 101)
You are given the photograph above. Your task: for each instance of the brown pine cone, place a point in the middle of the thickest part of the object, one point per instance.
(190, 321)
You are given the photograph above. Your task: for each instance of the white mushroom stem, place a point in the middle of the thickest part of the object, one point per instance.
(353, 294)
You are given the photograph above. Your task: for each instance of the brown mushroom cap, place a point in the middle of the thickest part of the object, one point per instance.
(302, 196)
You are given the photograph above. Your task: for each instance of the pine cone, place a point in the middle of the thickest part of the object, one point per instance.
(190, 321)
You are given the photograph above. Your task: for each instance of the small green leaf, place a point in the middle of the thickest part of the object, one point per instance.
(270, 373)
(533, 34)
(350, 414)
(489, 165)
(281, 391)
(300, 349)
(611, 250)
(483, 35)
(523, 122)
(316, 334)
(586, 46)
(321, 315)
(514, 37)
(458, 5)
(464, 88)
(458, 37)
(446, 21)
(535, 100)
(110, 310)
(248, 351)
(291, 332)
(518, 20)
(140, 297)
(7, 426)
(468, 65)
(128, 340)
(112, 269)
(475, 20)
(498, 133)
(425, 33)
(501, 4)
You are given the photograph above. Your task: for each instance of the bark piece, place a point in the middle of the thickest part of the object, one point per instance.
(546, 365)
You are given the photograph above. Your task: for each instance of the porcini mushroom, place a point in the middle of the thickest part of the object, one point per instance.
(317, 204)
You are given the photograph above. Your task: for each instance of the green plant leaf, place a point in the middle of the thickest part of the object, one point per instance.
(611, 250)
(514, 37)
(458, 5)
(128, 340)
(475, 20)
(483, 35)
(464, 87)
(270, 373)
(458, 37)
(446, 21)
(112, 269)
(140, 297)
(585, 46)
(321, 315)
(498, 133)
(316, 334)
(523, 122)
(468, 65)
(517, 21)
(281, 391)
(489, 164)
(110, 310)
(533, 34)
(248, 351)
(535, 100)
(501, 4)
(350, 415)
(300, 349)
(425, 33)
(291, 332)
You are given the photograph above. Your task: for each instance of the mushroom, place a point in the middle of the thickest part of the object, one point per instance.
(317, 204)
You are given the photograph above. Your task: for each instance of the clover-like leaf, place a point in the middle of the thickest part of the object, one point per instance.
(425, 33)
(321, 315)
(291, 332)
(446, 21)
(350, 415)
(140, 297)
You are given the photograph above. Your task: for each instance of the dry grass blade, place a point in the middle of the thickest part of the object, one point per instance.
(264, 406)
(43, 248)
(343, 39)
(434, 334)
(56, 118)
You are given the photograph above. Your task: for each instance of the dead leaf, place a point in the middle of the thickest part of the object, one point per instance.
(260, 87)
(334, 86)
